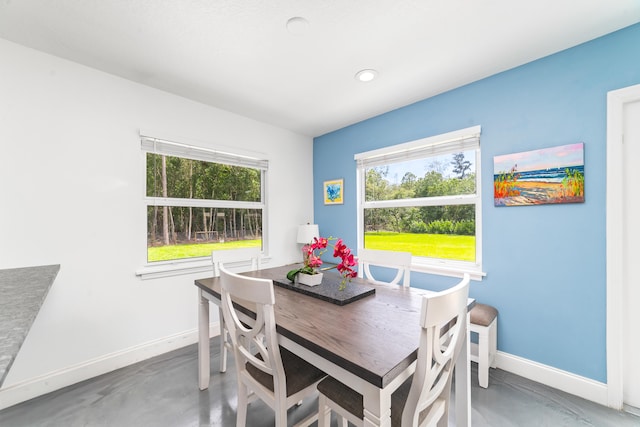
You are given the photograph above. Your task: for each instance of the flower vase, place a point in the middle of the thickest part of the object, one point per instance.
(309, 279)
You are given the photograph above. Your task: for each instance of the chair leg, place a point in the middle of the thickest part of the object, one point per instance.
(281, 413)
(241, 412)
(324, 412)
(223, 344)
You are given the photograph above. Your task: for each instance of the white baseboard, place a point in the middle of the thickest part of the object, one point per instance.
(26, 390)
(631, 409)
(586, 388)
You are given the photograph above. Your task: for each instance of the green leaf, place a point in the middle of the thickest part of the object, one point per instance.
(307, 270)
(292, 274)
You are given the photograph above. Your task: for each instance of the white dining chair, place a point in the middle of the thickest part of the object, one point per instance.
(423, 399)
(398, 261)
(250, 255)
(274, 374)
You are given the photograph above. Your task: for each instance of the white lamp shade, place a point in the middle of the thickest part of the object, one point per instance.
(307, 232)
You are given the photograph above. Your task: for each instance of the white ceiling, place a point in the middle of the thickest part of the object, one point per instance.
(239, 56)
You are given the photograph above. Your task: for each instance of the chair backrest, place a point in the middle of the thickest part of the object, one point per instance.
(389, 259)
(444, 328)
(261, 334)
(251, 254)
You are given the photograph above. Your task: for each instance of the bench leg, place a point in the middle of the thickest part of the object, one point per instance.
(483, 358)
(493, 343)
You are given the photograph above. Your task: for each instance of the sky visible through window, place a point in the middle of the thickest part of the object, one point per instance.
(420, 167)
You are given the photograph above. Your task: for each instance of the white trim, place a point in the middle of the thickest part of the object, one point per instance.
(479, 240)
(458, 199)
(216, 145)
(202, 203)
(171, 148)
(175, 268)
(449, 268)
(360, 192)
(631, 410)
(576, 385)
(615, 232)
(459, 140)
(26, 390)
(185, 266)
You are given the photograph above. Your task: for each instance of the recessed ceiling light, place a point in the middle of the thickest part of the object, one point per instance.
(297, 25)
(366, 75)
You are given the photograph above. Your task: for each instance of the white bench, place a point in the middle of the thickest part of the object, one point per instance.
(484, 322)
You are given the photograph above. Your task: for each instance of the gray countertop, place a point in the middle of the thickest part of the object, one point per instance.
(22, 292)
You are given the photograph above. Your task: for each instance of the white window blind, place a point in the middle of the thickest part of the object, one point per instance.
(452, 142)
(161, 146)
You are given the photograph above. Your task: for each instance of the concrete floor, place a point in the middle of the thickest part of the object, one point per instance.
(163, 392)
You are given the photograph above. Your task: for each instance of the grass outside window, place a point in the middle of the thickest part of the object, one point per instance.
(195, 250)
(443, 246)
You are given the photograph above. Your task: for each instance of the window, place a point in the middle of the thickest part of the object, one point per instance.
(199, 200)
(423, 197)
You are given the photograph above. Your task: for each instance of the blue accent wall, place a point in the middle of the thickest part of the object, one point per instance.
(546, 264)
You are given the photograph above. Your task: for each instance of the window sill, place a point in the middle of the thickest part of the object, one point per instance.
(183, 267)
(174, 268)
(451, 270)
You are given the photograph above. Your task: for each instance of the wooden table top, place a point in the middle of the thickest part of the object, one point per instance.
(374, 338)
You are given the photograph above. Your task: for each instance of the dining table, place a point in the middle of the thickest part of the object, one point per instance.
(369, 344)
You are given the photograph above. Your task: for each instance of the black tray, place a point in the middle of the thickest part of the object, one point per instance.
(328, 290)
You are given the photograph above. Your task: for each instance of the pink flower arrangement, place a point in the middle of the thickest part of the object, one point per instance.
(312, 260)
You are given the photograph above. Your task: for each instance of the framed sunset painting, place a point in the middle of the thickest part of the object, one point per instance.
(545, 176)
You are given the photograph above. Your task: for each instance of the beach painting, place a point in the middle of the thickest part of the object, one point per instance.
(549, 175)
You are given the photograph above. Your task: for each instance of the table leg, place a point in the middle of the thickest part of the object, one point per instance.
(463, 383)
(377, 407)
(203, 342)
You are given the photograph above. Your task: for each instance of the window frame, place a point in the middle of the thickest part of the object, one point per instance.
(447, 143)
(226, 156)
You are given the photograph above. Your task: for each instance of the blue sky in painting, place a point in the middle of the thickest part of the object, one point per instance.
(561, 156)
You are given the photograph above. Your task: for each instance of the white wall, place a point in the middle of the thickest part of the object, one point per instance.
(71, 188)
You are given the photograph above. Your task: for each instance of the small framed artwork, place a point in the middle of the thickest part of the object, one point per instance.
(333, 192)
